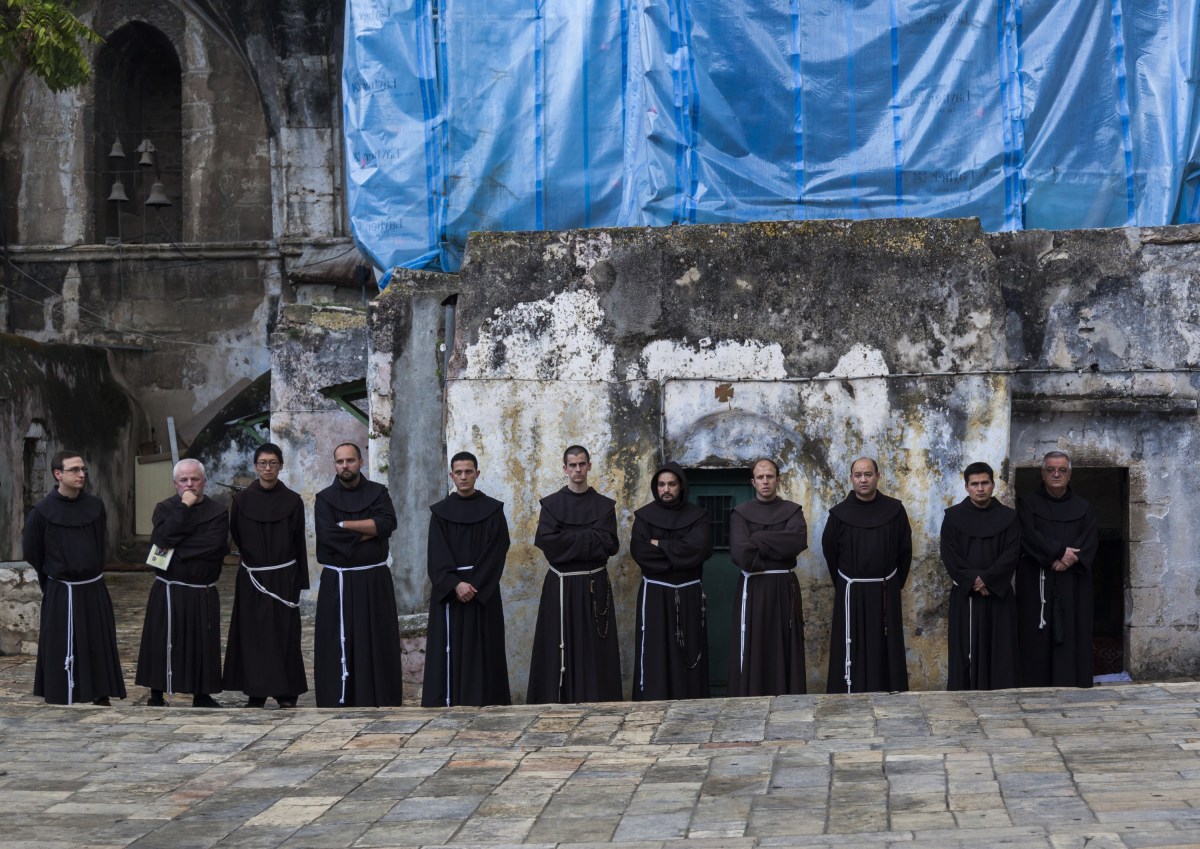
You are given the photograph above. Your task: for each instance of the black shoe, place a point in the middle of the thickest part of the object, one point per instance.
(256, 702)
(101, 701)
(204, 700)
(286, 702)
(156, 699)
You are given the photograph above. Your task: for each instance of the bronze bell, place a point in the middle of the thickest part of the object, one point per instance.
(158, 196)
(118, 192)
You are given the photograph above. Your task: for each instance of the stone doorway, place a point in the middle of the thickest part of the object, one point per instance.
(718, 491)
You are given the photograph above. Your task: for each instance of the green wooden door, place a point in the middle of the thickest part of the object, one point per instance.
(718, 491)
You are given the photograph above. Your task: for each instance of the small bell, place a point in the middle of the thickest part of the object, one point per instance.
(158, 196)
(146, 149)
(117, 151)
(118, 190)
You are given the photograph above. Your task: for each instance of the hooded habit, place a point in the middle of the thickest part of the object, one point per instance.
(984, 543)
(670, 632)
(1057, 653)
(465, 658)
(868, 550)
(576, 657)
(767, 653)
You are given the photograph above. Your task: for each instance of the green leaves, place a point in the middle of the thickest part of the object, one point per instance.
(47, 39)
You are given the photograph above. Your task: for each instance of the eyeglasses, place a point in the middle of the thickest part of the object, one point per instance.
(1056, 473)
(268, 464)
(76, 470)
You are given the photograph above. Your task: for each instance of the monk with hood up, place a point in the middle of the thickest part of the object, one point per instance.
(671, 540)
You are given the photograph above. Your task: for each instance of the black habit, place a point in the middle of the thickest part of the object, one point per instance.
(64, 542)
(767, 654)
(982, 542)
(1054, 620)
(575, 653)
(671, 633)
(359, 602)
(869, 543)
(262, 655)
(465, 659)
(186, 597)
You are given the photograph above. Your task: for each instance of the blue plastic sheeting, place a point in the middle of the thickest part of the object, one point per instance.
(466, 115)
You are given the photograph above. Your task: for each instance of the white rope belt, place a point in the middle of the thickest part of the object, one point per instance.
(1042, 594)
(447, 611)
(170, 681)
(341, 570)
(850, 582)
(562, 633)
(69, 660)
(645, 582)
(745, 593)
(250, 570)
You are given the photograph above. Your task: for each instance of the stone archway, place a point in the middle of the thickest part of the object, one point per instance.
(139, 102)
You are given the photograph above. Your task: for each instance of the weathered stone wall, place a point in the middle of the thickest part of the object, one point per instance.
(1113, 316)
(182, 330)
(815, 342)
(69, 395)
(314, 348)
(260, 127)
(255, 182)
(407, 361)
(20, 608)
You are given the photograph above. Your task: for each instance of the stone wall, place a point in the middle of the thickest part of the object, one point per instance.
(312, 349)
(924, 343)
(187, 304)
(66, 397)
(20, 608)
(814, 342)
(1106, 325)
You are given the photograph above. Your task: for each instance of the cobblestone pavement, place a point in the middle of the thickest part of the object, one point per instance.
(1109, 767)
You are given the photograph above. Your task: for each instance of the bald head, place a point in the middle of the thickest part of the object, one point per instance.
(864, 478)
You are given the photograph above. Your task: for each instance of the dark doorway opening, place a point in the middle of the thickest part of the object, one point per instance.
(36, 470)
(1107, 490)
(718, 491)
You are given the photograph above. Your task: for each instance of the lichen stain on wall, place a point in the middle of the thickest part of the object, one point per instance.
(518, 430)
(921, 431)
(556, 337)
(748, 359)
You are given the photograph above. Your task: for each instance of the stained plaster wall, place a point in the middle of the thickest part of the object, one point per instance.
(182, 330)
(834, 339)
(70, 394)
(314, 348)
(1116, 315)
(259, 186)
(260, 126)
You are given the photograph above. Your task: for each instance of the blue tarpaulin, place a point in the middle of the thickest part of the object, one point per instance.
(466, 115)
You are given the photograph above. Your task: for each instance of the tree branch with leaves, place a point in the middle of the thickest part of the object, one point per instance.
(45, 38)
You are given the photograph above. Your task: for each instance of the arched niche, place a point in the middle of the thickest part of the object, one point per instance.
(139, 100)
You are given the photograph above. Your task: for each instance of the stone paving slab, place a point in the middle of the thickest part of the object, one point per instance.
(1045, 769)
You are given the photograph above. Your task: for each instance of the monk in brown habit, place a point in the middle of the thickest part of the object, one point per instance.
(868, 549)
(63, 540)
(465, 660)
(266, 521)
(766, 535)
(981, 541)
(575, 653)
(181, 636)
(1054, 581)
(670, 542)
